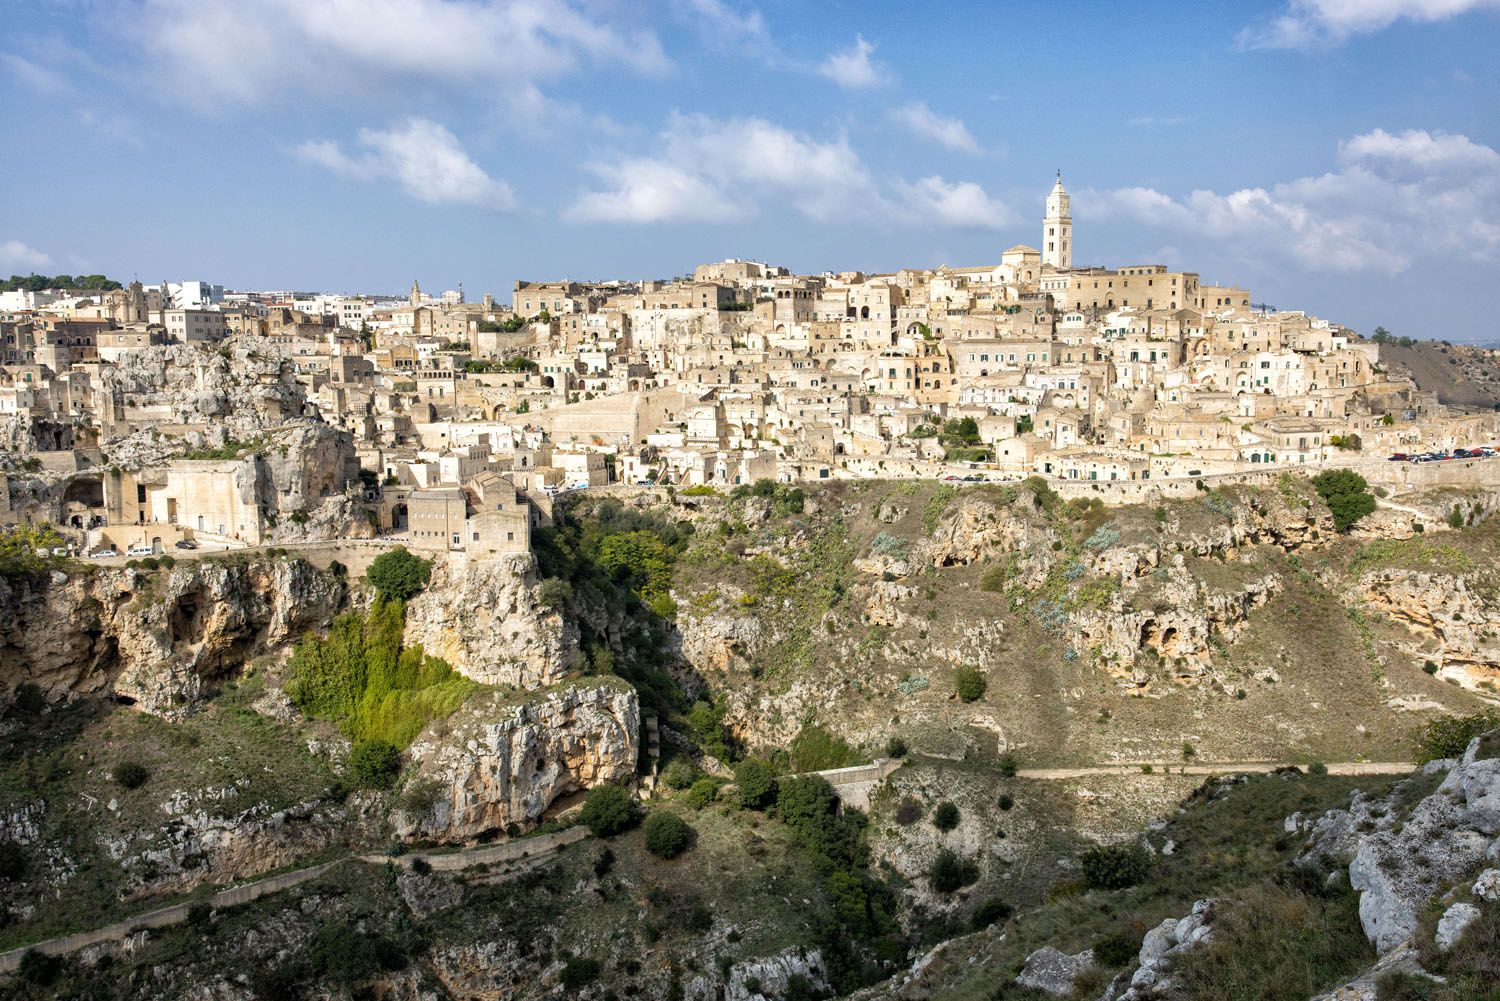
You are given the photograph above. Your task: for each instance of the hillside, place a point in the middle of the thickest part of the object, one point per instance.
(1460, 374)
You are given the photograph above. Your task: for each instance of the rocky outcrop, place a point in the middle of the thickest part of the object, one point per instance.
(1167, 940)
(769, 977)
(1451, 625)
(1054, 972)
(502, 760)
(483, 618)
(157, 638)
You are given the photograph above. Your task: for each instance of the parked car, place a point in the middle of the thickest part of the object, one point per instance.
(1461, 453)
(1399, 457)
(139, 551)
(104, 554)
(59, 550)
(186, 544)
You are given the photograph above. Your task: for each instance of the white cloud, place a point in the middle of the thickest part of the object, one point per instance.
(248, 51)
(923, 121)
(962, 203)
(423, 158)
(711, 170)
(39, 78)
(1314, 23)
(1395, 198)
(724, 24)
(17, 256)
(853, 67)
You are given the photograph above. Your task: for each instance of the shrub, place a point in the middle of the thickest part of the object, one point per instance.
(755, 784)
(667, 835)
(1344, 491)
(1430, 666)
(373, 764)
(680, 773)
(29, 699)
(1008, 766)
(1449, 736)
(1006, 801)
(702, 793)
(348, 957)
(1118, 948)
(607, 810)
(895, 748)
(421, 866)
(200, 915)
(945, 817)
(39, 968)
(949, 872)
(989, 912)
(969, 683)
(1114, 867)
(814, 749)
(131, 774)
(397, 574)
(12, 860)
(554, 592)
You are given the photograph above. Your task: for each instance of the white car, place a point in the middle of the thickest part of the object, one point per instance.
(105, 554)
(139, 551)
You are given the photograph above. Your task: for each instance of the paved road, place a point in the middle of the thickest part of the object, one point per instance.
(525, 849)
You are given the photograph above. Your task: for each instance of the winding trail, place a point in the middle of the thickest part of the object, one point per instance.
(1214, 768)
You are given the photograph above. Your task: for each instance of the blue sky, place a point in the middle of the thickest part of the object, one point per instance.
(1333, 155)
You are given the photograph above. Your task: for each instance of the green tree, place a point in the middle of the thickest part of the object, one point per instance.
(945, 817)
(374, 764)
(398, 574)
(1449, 736)
(1114, 867)
(554, 592)
(755, 784)
(607, 810)
(666, 834)
(969, 683)
(26, 550)
(1345, 493)
(948, 872)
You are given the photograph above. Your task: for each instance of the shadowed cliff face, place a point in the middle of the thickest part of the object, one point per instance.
(162, 638)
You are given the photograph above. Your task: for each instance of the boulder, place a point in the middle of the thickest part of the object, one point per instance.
(1053, 971)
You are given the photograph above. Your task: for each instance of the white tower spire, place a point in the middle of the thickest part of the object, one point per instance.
(1057, 228)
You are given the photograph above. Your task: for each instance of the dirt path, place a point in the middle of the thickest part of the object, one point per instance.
(1214, 768)
(530, 850)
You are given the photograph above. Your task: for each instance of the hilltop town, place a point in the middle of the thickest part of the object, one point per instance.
(141, 417)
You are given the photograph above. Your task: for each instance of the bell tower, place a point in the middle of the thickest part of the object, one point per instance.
(1057, 229)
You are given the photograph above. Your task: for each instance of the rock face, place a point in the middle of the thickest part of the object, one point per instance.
(1397, 868)
(771, 975)
(483, 618)
(1168, 939)
(1451, 625)
(499, 761)
(156, 638)
(1054, 972)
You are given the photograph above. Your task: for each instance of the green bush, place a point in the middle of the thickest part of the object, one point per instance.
(397, 574)
(12, 860)
(579, 972)
(755, 784)
(969, 683)
(1005, 801)
(989, 912)
(348, 957)
(948, 872)
(945, 817)
(1008, 766)
(131, 774)
(607, 810)
(667, 835)
(554, 592)
(702, 793)
(38, 968)
(814, 749)
(374, 764)
(1118, 947)
(680, 773)
(1345, 493)
(1114, 867)
(895, 748)
(1449, 736)
(361, 678)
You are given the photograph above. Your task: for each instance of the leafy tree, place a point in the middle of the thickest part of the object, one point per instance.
(130, 774)
(969, 683)
(38, 968)
(579, 971)
(814, 749)
(398, 574)
(755, 784)
(666, 834)
(554, 592)
(960, 431)
(1114, 867)
(895, 748)
(945, 817)
(374, 764)
(26, 550)
(607, 810)
(680, 773)
(12, 860)
(1345, 493)
(702, 793)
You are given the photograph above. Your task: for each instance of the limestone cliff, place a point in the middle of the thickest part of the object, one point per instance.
(158, 637)
(501, 760)
(1453, 624)
(484, 618)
